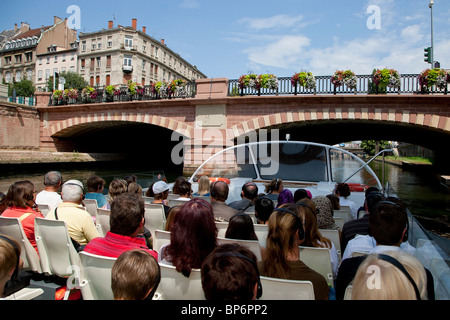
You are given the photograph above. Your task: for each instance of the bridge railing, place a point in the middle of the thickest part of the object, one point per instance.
(409, 85)
(123, 95)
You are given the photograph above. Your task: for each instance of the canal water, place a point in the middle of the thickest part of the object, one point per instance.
(421, 190)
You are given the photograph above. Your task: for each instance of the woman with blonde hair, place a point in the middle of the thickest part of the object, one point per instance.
(394, 275)
(282, 256)
(203, 187)
(313, 237)
(116, 188)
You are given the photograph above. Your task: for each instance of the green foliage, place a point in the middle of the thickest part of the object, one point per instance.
(369, 146)
(24, 88)
(73, 81)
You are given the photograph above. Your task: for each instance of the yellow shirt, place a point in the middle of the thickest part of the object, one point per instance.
(79, 222)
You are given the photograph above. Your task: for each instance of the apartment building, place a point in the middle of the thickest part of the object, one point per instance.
(119, 54)
(18, 54)
(56, 59)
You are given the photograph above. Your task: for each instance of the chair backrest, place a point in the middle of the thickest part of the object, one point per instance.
(12, 227)
(175, 202)
(175, 286)
(155, 218)
(148, 199)
(173, 196)
(91, 207)
(96, 276)
(252, 245)
(339, 221)
(253, 216)
(282, 289)
(261, 230)
(319, 260)
(345, 213)
(207, 199)
(222, 227)
(102, 222)
(57, 253)
(348, 292)
(333, 235)
(160, 238)
(44, 208)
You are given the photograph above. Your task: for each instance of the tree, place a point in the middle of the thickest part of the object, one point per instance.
(369, 146)
(73, 80)
(24, 88)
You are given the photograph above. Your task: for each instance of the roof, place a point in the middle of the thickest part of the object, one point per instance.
(27, 35)
(31, 33)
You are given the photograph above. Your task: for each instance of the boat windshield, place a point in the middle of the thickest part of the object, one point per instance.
(288, 160)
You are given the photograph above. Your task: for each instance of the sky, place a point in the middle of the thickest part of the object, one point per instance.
(235, 37)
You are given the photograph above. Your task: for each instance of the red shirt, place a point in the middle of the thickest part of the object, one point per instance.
(28, 216)
(113, 245)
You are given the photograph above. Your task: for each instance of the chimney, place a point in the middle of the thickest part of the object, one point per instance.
(134, 24)
(162, 41)
(56, 20)
(15, 27)
(144, 29)
(110, 24)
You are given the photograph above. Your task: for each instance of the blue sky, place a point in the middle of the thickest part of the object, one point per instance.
(233, 37)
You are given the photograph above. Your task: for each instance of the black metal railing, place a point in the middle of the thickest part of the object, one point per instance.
(189, 90)
(409, 84)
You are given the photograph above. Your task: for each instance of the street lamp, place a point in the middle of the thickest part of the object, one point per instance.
(432, 41)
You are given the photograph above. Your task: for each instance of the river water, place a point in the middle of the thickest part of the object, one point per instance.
(419, 189)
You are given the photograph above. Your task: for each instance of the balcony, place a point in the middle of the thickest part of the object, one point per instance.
(127, 69)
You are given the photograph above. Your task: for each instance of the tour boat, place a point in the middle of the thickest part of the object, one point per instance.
(317, 168)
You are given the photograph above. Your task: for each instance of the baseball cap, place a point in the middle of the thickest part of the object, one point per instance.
(74, 182)
(160, 187)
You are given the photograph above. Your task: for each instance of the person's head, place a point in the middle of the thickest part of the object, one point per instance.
(388, 224)
(240, 226)
(263, 208)
(130, 178)
(193, 236)
(230, 272)
(372, 198)
(160, 190)
(134, 187)
(95, 184)
(72, 191)
(203, 185)
(185, 189)
(309, 205)
(335, 201)
(285, 196)
(135, 275)
(21, 194)
(177, 183)
(275, 186)
(286, 232)
(171, 217)
(323, 205)
(117, 187)
(300, 194)
(343, 190)
(219, 191)
(3, 205)
(249, 191)
(387, 275)
(127, 215)
(313, 237)
(53, 179)
(9, 260)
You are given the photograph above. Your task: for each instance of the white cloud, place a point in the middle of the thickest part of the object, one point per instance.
(278, 21)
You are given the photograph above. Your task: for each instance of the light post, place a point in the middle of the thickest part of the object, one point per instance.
(432, 40)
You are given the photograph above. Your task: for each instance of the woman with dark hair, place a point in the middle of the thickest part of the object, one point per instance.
(274, 188)
(21, 204)
(192, 237)
(241, 227)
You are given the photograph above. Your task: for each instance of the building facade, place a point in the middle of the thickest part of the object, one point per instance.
(18, 54)
(116, 55)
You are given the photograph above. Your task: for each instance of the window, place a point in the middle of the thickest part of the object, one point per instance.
(92, 63)
(127, 61)
(83, 64)
(48, 60)
(108, 61)
(40, 61)
(56, 59)
(64, 57)
(110, 43)
(99, 62)
(47, 74)
(8, 77)
(108, 80)
(99, 46)
(7, 60)
(39, 75)
(83, 46)
(128, 42)
(18, 58)
(72, 69)
(29, 56)
(143, 64)
(29, 74)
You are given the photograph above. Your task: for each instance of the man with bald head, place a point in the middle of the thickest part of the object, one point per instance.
(219, 194)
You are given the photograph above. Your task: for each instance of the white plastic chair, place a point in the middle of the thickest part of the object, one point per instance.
(96, 276)
(348, 292)
(155, 218)
(222, 227)
(333, 235)
(252, 245)
(319, 260)
(174, 202)
(12, 227)
(345, 213)
(339, 221)
(160, 239)
(91, 207)
(102, 222)
(282, 289)
(175, 286)
(25, 294)
(44, 208)
(148, 199)
(261, 230)
(207, 199)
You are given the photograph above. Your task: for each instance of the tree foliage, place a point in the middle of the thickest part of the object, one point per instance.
(369, 146)
(73, 81)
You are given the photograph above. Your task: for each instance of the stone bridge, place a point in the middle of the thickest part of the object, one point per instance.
(213, 120)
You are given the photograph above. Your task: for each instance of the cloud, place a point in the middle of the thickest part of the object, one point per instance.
(278, 21)
(191, 4)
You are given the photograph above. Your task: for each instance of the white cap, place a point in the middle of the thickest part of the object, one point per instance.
(74, 182)
(160, 187)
